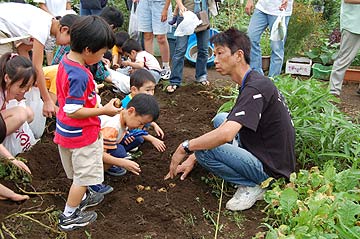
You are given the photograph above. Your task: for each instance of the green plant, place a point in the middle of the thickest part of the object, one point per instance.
(315, 204)
(231, 14)
(304, 29)
(325, 53)
(10, 171)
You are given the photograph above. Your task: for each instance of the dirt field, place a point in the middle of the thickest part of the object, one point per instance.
(184, 211)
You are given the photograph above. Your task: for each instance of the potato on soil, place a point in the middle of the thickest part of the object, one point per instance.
(162, 190)
(139, 187)
(139, 200)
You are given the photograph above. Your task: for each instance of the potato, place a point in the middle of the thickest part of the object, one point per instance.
(172, 185)
(147, 188)
(139, 200)
(139, 187)
(117, 103)
(162, 190)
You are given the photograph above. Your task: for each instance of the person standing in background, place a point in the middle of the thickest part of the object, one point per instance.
(55, 8)
(152, 20)
(91, 7)
(349, 44)
(264, 15)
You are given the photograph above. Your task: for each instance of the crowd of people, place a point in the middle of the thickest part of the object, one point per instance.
(252, 143)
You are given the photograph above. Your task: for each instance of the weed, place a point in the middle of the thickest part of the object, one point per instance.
(190, 219)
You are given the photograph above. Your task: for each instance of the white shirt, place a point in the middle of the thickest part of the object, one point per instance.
(151, 63)
(19, 19)
(271, 7)
(55, 7)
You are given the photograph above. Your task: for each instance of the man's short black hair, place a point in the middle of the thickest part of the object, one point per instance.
(234, 40)
(140, 76)
(112, 16)
(91, 32)
(130, 45)
(145, 104)
(121, 37)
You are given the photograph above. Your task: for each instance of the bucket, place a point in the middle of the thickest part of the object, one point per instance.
(191, 51)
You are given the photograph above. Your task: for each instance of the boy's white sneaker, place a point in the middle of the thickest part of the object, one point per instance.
(245, 197)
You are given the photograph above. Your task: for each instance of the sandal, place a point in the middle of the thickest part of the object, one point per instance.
(171, 88)
(205, 83)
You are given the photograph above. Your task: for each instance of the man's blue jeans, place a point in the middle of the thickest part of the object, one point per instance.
(231, 162)
(177, 62)
(258, 23)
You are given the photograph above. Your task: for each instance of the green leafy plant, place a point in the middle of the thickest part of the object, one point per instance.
(324, 54)
(9, 171)
(315, 204)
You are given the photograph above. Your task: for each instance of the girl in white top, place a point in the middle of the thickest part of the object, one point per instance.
(17, 75)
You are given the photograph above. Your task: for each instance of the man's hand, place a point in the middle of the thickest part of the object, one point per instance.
(185, 168)
(249, 8)
(164, 15)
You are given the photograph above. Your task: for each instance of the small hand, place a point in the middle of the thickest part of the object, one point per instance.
(116, 66)
(21, 165)
(129, 140)
(159, 144)
(159, 131)
(110, 108)
(49, 108)
(131, 166)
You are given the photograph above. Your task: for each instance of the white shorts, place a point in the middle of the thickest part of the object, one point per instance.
(149, 17)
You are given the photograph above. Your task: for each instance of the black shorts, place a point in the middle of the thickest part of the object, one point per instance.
(2, 129)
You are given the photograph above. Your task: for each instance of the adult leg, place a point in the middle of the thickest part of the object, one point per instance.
(178, 58)
(349, 47)
(149, 42)
(277, 49)
(202, 55)
(257, 25)
(233, 164)
(163, 47)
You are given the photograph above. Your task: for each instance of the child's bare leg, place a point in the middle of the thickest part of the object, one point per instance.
(76, 194)
(6, 193)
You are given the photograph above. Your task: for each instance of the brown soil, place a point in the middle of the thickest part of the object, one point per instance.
(181, 212)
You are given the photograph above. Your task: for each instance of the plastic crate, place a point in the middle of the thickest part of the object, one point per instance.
(321, 72)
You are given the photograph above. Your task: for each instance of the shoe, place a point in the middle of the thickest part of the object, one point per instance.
(245, 197)
(165, 73)
(101, 188)
(116, 171)
(76, 220)
(134, 150)
(92, 199)
(173, 20)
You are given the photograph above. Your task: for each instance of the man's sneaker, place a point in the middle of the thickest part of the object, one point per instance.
(92, 199)
(245, 197)
(101, 188)
(116, 171)
(76, 220)
(165, 73)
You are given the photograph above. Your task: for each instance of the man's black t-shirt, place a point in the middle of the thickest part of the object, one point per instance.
(267, 131)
